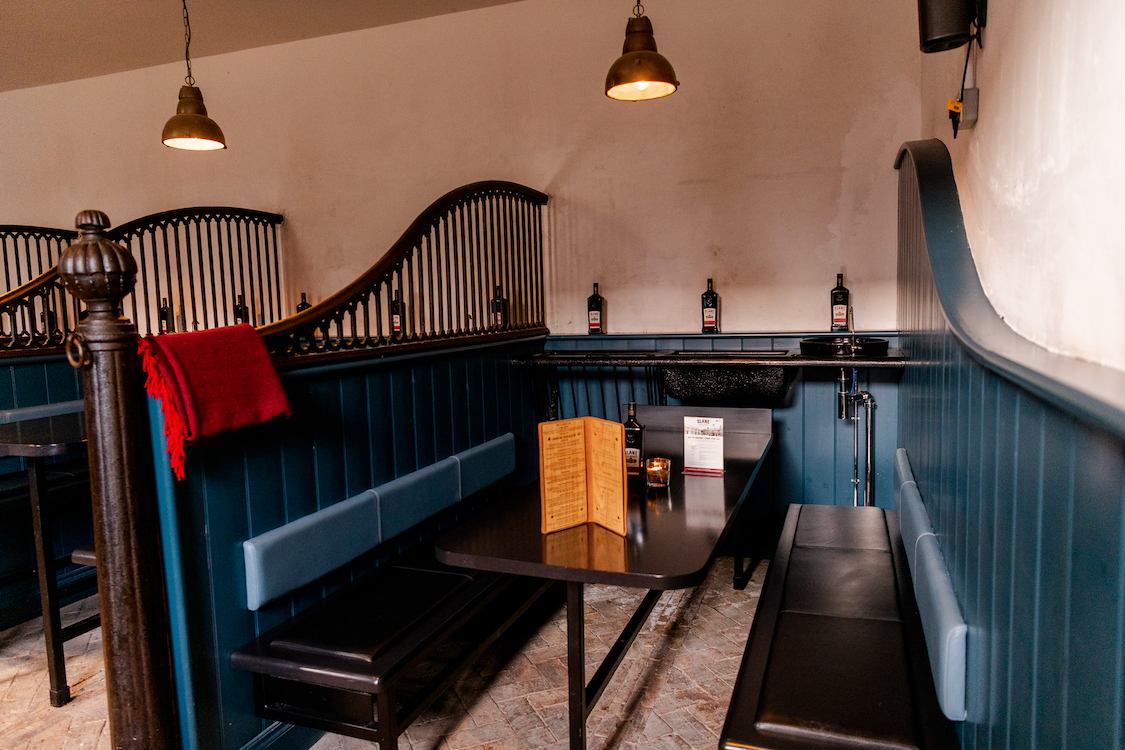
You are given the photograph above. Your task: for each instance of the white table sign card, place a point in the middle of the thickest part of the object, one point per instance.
(703, 445)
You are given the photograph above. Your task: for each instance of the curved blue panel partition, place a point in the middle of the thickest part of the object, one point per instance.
(1095, 393)
(1020, 456)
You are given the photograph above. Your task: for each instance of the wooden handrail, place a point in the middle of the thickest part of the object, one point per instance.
(35, 317)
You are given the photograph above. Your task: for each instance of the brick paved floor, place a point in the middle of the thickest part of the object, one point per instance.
(27, 719)
(670, 693)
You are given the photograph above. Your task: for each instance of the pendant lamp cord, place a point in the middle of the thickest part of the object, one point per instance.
(189, 80)
(637, 11)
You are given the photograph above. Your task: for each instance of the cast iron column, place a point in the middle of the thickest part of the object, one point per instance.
(126, 528)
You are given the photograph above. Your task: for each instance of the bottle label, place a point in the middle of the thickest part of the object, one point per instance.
(840, 315)
(497, 319)
(633, 459)
(709, 316)
(595, 320)
(396, 323)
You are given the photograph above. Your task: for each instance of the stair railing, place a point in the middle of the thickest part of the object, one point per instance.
(197, 268)
(471, 265)
(35, 317)
(203, 268)
(28, 252)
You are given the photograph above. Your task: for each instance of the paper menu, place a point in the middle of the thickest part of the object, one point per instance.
(703, 445)
(582, 476)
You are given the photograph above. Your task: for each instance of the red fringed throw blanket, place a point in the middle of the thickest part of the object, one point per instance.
(209, 382)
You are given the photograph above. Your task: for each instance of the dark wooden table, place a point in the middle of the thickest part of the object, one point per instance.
(34, 440)
(673, 534)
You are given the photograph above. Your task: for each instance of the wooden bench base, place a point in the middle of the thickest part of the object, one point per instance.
(371, 659)
(836, 656)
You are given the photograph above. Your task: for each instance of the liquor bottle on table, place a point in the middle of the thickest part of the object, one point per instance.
(634, 441)
(595, 306)
(710, 301)
(498, 310)
(840, 305)
(303, 304)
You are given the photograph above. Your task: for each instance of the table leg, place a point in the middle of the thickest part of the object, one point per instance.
(583, 697)
(48, 587)
(743, 572)
(576, 663)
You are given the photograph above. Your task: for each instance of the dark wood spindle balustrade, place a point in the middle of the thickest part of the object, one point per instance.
(444, 268)
(208, 267)
(197, 268)
(204, 267)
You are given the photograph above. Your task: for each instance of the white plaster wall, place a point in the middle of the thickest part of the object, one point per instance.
(1042, 176)
(770, 170)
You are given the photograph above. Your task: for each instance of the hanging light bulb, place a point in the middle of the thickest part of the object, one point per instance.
(641, 72)
(190, 128)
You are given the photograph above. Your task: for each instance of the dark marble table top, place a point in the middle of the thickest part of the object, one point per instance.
(47, 436)
(673, 532)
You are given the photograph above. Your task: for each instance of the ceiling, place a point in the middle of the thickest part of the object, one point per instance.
(51, 41)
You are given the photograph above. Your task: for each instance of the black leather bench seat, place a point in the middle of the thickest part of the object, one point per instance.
(836, 656)
(371, 658)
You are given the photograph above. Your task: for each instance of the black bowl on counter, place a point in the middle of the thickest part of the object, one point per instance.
(843, 346)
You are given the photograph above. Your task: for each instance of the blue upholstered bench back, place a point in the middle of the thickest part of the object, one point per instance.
(41, 411)
(303, 550)
(942, 622)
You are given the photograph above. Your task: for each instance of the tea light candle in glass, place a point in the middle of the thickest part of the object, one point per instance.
(657, 471)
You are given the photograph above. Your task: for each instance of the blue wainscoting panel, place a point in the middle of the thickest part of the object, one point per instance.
(815, 449)
(25, 382)
(1022, 467)
(353, 427)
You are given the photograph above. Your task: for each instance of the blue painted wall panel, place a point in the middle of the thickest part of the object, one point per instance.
(1027, 495)
(815, 449)
(474, 396)
(1035, 572)
(356, 436)
(1056, 511)
(327, 431)
(351, 429)
(380, 418)
(33, 381)
(441, 383)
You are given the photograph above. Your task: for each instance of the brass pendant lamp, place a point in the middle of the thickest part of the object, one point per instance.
(190, 128)
(641, 72)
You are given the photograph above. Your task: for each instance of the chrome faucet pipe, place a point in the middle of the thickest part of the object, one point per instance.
(855, 451)
(869, 415)
(868, 402)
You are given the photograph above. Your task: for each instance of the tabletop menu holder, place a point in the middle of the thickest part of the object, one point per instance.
(582, 475)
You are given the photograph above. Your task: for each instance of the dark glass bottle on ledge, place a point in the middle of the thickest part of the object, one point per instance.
(634, 441)
(840, 304)
(49, 320)
(498, 310)
(164, 317)
(710, 301)
(396, 316)
(303, 304)
(241, 314)
(595, 307)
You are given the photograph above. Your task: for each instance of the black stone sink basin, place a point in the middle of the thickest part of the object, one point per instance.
(744, 384)
(843, 346)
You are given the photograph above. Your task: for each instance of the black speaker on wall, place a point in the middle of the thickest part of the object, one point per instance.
(945, 24)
